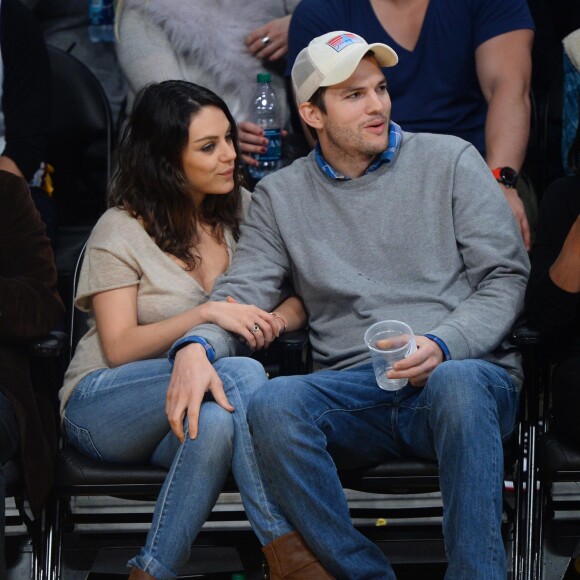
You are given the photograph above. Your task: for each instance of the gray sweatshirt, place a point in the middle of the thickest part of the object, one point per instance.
(428, 239)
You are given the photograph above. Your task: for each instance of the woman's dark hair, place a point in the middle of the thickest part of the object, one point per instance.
(574, 151)
(149, 181)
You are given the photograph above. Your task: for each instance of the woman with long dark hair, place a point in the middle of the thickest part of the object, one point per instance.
(176, 205)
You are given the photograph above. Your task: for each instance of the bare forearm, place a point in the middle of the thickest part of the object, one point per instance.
(507, 133)
(507, 127)
(151, 340)
(293, 312)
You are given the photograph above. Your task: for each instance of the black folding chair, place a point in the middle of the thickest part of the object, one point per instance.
(79, 149)
(554, 476)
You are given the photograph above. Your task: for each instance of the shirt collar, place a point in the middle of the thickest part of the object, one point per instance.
(395, 138)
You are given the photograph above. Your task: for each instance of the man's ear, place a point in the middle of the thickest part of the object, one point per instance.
(311, 115)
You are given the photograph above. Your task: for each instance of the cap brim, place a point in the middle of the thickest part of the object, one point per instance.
(384, 54)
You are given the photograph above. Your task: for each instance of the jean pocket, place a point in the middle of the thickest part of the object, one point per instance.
(81, 439)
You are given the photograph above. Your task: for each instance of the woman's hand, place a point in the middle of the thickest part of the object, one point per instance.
(192, 376)
(252, 140)
(271, 40)
(255, 326)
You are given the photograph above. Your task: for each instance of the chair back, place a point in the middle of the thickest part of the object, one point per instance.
(78, 319)
(79, 141)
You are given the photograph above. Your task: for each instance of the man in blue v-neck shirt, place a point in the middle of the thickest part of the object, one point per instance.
(464, 69)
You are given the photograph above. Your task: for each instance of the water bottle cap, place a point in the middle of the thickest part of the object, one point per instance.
(264, 77)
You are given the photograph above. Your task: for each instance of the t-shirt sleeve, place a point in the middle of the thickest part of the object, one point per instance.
(494, 17)
(108, 263)
(246, 199)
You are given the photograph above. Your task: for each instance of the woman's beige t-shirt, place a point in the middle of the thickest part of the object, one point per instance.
(120, 253)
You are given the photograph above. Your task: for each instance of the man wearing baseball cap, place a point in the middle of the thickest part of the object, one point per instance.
(376, 224)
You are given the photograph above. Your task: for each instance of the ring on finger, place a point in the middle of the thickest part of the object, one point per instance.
(265, 40)
(255, 329)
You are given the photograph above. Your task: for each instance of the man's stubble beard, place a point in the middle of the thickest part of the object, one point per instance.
(358, 146)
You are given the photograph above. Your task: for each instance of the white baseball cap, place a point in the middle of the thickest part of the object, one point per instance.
(331, 58)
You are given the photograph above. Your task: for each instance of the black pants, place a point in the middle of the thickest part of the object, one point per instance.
(8, 448)
(566, 398)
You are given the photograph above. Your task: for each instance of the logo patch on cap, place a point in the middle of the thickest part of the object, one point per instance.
(343, 40)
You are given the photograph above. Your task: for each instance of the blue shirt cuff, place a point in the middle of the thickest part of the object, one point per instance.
(440, 344)
(189, 340)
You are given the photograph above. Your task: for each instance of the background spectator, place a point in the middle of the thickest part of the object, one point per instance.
(65, 25)
(553, 293)
(29, 308)
(205, 42)
(464, 68)
(25, 109)
(571, 91)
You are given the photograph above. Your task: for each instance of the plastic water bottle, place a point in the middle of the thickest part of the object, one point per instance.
(101, 21)
(266, 116)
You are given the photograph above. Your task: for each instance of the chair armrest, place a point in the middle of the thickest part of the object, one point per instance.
(52, 345)
(525, 334)
(287, 355)
(295, 340)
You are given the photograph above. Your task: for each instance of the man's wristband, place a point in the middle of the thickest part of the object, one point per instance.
(440, 344)
(182, 342)
(506, 176)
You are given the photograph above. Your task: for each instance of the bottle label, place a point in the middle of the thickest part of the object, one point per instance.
(101, 12)
(274, 151)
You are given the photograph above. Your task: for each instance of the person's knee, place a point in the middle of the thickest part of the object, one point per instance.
(456, 388)
(213, 447)
(245, 374)
(273, 405)
(216, 424)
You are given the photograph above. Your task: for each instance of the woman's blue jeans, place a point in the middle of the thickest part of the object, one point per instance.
(304, 427)
(118, 415)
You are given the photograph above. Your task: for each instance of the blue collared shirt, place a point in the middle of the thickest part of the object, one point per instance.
(395, 138)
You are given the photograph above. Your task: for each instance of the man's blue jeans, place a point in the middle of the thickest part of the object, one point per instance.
(118, 415)
(304, 427)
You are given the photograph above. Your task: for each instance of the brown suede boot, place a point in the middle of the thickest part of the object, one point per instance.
(290, 557)
(138, 574)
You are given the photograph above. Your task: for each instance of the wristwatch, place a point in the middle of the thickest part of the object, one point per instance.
(506, 176)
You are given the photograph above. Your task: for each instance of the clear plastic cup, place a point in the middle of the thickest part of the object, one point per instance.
(388, 342)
